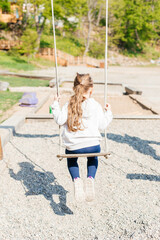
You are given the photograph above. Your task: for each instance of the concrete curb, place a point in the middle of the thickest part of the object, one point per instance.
(9, 127)
(132, 90)
(144, 103)
(47, 117)
(5, 73)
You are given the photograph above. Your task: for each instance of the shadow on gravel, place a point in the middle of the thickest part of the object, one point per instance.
(136, 143)
(143, 177)
(42, 183)
(15, 134)
(35, 135)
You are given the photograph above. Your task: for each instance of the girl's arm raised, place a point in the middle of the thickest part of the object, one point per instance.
(60, 116)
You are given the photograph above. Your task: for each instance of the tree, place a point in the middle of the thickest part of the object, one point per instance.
(93, 16)
(41, 11)
(101, 13)
(5, 6)
(90, 18)
(29, 42)
(134, 22)
(70, 8)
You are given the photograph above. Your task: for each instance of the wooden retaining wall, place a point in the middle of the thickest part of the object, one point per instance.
(65, 59)
(7, 45)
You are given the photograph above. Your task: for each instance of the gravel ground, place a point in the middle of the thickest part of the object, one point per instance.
(36, 200)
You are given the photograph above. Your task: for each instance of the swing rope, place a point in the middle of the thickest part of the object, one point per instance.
(56, 67)
(106, 73)
(55, 49)
(61, 156)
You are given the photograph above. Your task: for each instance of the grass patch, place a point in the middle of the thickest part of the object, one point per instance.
(14, 63)
(42, 63)
(72, 46)
(24, 82)
(66, 44)
(148, 53)
(7, 100)
(20, 63)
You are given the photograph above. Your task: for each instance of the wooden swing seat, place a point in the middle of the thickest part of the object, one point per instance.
(61, 156)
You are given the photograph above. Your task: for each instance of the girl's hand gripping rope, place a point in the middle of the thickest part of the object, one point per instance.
(107, 107)
(56, 98)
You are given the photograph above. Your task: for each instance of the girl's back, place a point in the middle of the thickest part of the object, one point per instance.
(93, 120)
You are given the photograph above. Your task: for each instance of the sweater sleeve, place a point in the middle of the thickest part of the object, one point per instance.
(105, 118)
(60, 116)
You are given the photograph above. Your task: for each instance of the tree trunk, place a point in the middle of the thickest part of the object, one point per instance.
(39, 32)
(137, 36)
(89, 33)
(91, 6)
(25, 16)
(99, 16)
(88, 39)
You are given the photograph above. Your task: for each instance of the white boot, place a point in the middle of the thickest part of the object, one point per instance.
(90, 191)
(78, 190)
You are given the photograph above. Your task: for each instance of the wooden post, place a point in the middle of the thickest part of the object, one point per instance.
(1, 151)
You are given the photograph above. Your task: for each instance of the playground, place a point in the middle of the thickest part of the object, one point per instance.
(37, 197)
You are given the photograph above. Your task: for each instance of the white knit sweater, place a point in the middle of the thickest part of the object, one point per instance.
(94, 120)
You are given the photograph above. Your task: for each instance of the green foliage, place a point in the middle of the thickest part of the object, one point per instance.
(134, 22)
(29, 42)
(70, 44)
(8, 99)
(42, 11)
(3, 25)
(97, 50)
(5, 6)
(133, 25)
(65, 9)
(102, 22)
(149, 52)
(21, 82)
(14, 62)
(97, 46)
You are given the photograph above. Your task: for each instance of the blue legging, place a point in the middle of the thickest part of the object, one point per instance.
(92, 162)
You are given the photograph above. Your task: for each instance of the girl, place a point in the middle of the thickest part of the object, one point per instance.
(82, 118)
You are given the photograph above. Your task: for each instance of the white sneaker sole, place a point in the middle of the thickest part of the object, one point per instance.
(78, 190)
(90, 191)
